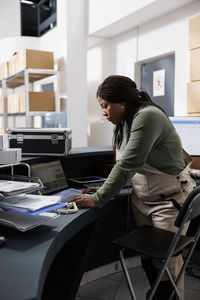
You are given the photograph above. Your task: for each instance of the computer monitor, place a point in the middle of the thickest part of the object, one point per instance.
(52, 176)
(188, 129)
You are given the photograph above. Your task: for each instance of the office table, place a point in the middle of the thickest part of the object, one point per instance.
(48, 262)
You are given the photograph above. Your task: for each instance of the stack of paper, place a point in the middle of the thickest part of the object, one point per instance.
(24, 222)
(24, 211)
(31, 204)
(11, 187)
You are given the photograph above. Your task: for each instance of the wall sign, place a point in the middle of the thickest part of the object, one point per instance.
(159, 83)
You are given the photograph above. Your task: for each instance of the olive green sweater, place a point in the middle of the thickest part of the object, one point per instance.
(153, 140)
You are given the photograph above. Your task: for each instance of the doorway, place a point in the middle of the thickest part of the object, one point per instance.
(157, 79)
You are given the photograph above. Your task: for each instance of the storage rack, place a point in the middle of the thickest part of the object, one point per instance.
(27, 177)
(17, 164)
(26, 77)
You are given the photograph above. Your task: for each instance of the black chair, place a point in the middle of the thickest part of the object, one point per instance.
(161, 244)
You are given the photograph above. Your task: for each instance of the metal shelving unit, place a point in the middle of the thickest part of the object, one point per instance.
(11, 166)
(26, 178)
(27, 77)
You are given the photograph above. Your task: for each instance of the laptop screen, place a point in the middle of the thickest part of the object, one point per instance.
(52, 176)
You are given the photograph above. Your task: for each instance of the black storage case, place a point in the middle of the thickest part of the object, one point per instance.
(41, 141)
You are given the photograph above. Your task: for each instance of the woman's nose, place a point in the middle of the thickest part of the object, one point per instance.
(104, 113)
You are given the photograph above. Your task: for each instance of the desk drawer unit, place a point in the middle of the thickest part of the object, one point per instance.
(41, 141)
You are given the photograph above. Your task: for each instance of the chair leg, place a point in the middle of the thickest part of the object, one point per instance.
(187, 259)
(163, 291)
(126, 274)
(174, 286)
(150, 271)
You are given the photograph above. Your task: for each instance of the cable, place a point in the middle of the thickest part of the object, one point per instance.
(70, 209)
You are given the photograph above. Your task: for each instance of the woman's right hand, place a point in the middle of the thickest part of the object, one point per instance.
(90, 190)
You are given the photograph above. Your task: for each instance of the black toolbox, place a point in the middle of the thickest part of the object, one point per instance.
(41, 141)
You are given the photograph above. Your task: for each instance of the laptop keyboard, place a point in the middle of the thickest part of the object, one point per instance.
(94, 184)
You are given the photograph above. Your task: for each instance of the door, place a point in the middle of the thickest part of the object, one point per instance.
(157, 79)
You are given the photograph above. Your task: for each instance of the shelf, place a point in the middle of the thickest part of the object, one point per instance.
(34, 75)
(15, 114)
(17, 164)
(31, 113)
(12, 114)
(23, 78)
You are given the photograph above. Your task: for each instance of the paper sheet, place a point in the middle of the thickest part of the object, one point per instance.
(29, 202)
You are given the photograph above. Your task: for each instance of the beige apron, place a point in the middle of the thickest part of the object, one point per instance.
(152, 195)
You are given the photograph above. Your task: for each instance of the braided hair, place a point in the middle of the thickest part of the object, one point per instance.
(120, 89)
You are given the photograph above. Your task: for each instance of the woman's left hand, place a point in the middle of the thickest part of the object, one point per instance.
(84, 200)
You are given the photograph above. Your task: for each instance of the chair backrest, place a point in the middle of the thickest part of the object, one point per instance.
(190, 208)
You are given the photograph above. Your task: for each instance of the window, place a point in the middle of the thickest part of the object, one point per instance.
(37, 17)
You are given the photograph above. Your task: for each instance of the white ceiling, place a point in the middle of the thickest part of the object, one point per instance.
(141, 16)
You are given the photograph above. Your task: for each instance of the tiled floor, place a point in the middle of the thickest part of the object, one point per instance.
(113, 287)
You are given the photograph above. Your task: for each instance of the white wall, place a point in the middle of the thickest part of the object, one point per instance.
(103, 12)
(10, 18)
(56, 40)
(170, 34)
(9, 45)
(101, 60)
(114, 17)
(161, 36)
(68, 41)
(77, 71)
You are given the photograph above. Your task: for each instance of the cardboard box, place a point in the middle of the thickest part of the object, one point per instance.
(195, 64)
(13, 103)
(193, 98)
(34, 59)
(22, 102)
(3, 70)
(2, 130)
(194, 114)
(38, 101)
(10, 156)
(1, 105)
(11, 66)
(194, 32)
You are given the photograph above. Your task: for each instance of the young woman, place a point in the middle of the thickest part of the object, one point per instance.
(149, 154)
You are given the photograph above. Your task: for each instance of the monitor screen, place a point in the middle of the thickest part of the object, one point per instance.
(188, 128)
(52, 176)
